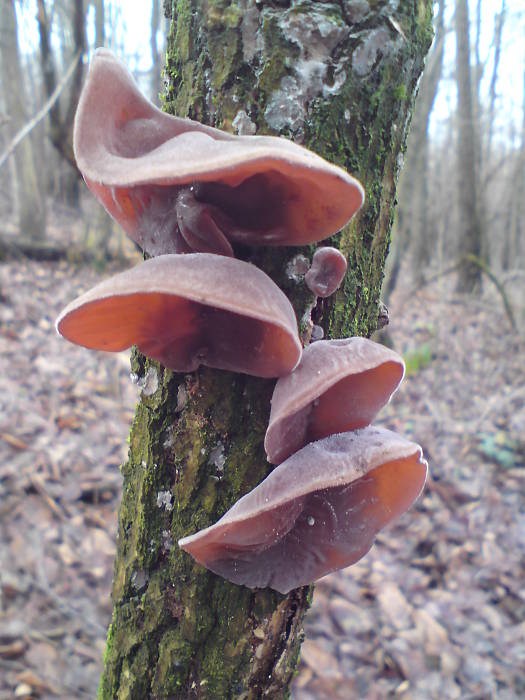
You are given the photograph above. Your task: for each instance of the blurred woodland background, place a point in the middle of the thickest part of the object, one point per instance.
(437, 609)
(467, 139)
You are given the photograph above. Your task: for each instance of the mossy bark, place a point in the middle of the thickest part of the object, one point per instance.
(339, 78)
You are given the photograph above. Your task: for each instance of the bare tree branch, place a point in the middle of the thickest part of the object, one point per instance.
(20, 136)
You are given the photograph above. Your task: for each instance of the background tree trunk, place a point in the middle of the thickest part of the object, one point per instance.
(156, 77)
(470, 241)
(100, 23)
(415, 228)
(62, 114)
(30, 195)
(498, 33)
(424, 228)
(512, 254)
(341, 80)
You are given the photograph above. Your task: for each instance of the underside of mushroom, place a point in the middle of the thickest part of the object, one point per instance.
(187, 311)
(317, 512)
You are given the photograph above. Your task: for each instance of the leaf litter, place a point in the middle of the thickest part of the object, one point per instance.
(435, 610)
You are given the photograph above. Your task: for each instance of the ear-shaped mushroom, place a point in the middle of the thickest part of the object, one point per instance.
(135, 158)
(317, 512)
(327, 271)
(190, 310)
(339, 385)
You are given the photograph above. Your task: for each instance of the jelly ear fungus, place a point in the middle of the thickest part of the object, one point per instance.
(257, 190)
(326, 272)
(317, 512)
(187, 311)
(339, 385)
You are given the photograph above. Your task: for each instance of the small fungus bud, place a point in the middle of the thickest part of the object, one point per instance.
(327, 271)
(198, 225)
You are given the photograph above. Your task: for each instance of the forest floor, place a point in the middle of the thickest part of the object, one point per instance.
(435, 611)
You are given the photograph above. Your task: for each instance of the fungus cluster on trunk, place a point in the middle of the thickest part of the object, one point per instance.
(188, 194)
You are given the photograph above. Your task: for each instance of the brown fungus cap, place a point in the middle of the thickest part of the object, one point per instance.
(339, 385)
(187, 311)
(135, 158)
(317, 512)
(327, 271)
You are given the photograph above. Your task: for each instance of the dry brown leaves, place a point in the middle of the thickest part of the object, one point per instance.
(437, 608)
(64, 419)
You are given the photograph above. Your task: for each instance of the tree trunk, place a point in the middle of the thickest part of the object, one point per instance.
(498, 33)
(477, 76)
(424, 229)
(30, 197)
(156, 78)
(470, 241)
(340, 79)
(414, 227)
(512, 254)
(61, 120)
(100, 21)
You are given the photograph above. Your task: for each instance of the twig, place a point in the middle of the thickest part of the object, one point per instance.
(475, 260)
(20, 136)
(511, 275)
(440, 273)
(41, 583)
(497, 402)
(492, 277)
(39, 486)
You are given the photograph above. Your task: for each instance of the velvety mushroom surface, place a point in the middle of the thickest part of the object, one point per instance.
(261, 190)
(339, 385)
(317, 512)
(187, 311)
(327, 271)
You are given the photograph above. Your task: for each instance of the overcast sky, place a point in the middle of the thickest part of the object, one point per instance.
(511, 68)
